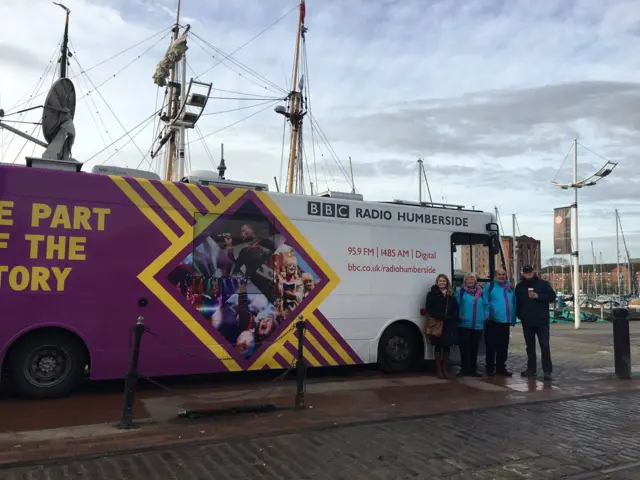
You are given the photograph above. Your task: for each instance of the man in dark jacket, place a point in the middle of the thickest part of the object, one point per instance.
(533, 296)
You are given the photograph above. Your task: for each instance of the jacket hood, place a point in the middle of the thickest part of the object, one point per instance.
(506, 283)
(473, 290)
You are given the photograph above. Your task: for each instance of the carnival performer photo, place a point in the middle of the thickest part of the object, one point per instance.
(442, 323)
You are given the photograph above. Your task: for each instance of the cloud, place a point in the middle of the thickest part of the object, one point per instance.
(17, 55)
(499, 124)
(490, 93)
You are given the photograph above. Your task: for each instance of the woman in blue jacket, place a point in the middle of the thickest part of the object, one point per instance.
(472, 314)
(501, 300)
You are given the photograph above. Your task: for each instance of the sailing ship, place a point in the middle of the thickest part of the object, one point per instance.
(185, 101)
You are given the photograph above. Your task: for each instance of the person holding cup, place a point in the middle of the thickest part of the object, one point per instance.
(533, 296)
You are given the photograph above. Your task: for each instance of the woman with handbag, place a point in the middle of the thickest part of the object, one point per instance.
(442, 322)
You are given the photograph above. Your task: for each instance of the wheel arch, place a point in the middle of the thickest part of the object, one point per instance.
(411, 324)
(10, 347)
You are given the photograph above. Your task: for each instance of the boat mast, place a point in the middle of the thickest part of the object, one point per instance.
(353, 183)
(173, 102)
(618, 259)
(295, 117)
(593, 268)
(64, 50)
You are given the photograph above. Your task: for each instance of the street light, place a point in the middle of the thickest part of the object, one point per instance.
(605, 171)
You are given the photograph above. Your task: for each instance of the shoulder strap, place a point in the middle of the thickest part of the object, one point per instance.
(461, 293)
(491, 285)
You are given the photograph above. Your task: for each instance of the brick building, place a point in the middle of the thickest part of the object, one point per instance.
(603, 280)
(476, 258)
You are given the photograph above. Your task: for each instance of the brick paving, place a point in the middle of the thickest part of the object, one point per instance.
(581, 439)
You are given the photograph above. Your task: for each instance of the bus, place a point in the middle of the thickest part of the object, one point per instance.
(220, 273)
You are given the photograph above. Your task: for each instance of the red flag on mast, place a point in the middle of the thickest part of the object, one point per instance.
(303, 11)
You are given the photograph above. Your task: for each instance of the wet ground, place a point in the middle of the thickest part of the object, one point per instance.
(594, 438)
(34, 431)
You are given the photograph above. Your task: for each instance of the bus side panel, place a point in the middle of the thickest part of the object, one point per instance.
(384, 274)
(73, 248)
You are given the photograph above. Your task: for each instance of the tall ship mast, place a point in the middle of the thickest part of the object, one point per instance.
(185, 102)
(297, 111)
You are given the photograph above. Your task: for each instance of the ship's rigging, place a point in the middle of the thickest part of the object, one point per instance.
(306, 160)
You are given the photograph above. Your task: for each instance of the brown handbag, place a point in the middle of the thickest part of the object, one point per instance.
(435, 325)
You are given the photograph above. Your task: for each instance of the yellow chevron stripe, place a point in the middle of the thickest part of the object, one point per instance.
(202, 198)
(178, 244)
(163, 203)
(321, 350)
(308, 356)
(146, 210)
(307, 313)
(335, 345)
(288, 358)
(217, 193)
(181, 197)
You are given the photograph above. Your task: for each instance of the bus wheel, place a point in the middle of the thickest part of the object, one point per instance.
(398, 348)
(46, 364)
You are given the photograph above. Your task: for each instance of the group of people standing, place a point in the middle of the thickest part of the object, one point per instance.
(464, 315)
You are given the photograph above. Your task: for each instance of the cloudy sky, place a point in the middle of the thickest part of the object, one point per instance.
(490, 93)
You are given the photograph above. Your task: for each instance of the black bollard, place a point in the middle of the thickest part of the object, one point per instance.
(126, 420)
(300, 365)
(621, 343)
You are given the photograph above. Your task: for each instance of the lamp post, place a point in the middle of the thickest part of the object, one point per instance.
(576, 184)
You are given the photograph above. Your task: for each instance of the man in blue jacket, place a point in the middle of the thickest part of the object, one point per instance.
(533, 296)
(500, 299)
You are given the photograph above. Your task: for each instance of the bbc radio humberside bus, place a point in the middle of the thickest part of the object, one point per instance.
(219, 273)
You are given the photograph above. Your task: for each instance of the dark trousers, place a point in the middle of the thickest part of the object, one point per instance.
(496, 339)
(530, 334)
(469, 342)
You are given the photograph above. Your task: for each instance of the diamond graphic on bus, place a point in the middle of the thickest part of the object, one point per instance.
(248, 278)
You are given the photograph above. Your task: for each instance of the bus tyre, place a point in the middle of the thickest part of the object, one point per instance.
(398, 349)
(46, 364)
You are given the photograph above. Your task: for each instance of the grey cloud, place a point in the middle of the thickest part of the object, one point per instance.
(499, 123)
(19, 56)
(482, 175)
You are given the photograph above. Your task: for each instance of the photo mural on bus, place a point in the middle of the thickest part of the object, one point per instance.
(246, 277)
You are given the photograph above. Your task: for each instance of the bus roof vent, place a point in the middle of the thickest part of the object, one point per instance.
(124, 172)
(210, 178)
(341, 195)
(427, 204)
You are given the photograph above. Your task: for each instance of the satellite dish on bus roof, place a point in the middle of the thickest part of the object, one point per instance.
(59, 106)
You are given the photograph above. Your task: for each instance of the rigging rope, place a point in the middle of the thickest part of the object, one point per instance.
(249, 41)
(36, 93)
(238, 109)
(235, 123)
(95, 89)
(145, 121)
(269, 84)
(104, 142)
(562, 164)
(163, 31)
(239, 93)
(307, 99)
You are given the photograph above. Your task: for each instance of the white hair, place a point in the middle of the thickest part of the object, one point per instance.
(471, 275)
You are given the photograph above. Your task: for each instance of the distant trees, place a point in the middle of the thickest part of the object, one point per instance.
(557, 262)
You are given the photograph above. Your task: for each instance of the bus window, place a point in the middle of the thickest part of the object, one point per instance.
(471, 253)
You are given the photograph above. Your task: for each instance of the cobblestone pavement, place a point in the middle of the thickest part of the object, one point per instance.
(588, 438)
